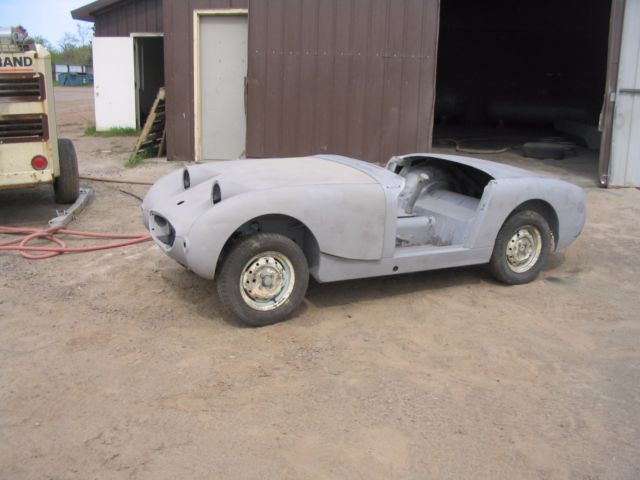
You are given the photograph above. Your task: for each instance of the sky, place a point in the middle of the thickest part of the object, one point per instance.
(49, 18)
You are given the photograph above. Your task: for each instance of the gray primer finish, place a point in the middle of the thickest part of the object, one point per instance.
(352, 210)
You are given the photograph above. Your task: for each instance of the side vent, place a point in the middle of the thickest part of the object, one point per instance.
(23, 128)
(27, 87)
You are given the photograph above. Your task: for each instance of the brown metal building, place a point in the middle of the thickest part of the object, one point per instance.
(355, 78)
(358, 77)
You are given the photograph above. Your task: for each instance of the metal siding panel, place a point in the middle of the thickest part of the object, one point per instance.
(324, 83)
(392, 80)
(142, 13)
(159, 18)
(274, 77)
(375, 79)
(178, 63)
(625, 146)
(177, 18)
(128, 17)
(349, 76)
(339, 105)
(410, 88)
(307, 80)
(292, 41)
(427, 78)
(138, 16)
(256, 77)
(357, 78)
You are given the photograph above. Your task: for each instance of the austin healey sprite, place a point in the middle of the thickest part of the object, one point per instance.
(260, 227)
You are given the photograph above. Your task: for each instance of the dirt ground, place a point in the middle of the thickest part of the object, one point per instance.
(119, 364)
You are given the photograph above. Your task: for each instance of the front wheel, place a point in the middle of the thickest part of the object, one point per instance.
(263, 279)
(521, 249)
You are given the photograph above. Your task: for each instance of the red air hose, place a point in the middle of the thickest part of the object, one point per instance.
(30, 234)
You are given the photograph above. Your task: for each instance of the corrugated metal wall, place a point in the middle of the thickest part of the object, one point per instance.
(355, 77)
(625, 144)
(139, 16)
(178, 44)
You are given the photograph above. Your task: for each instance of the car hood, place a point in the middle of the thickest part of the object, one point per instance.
(259, 174)
(236, 177)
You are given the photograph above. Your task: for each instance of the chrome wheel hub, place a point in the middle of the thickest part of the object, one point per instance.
(267, 281)
(523, 249)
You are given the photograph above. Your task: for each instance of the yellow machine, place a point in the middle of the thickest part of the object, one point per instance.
(30, 152)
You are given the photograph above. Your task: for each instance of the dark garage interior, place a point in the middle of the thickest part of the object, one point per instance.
(511, 73)
(149, 72)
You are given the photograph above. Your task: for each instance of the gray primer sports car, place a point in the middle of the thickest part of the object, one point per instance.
(261, 226)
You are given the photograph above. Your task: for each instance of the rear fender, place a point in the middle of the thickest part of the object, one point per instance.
(503, 196)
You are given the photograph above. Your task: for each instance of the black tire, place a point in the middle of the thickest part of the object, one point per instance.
(517, 234)
(67, 184)
(263, 248)
(543, 150)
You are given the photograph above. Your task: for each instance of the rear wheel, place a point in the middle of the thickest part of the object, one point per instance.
(67, 184)
(521, 249)
(263, 279)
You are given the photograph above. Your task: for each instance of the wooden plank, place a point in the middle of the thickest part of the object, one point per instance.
(150, 137)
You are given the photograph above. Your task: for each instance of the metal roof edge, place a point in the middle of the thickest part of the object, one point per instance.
(86, 12)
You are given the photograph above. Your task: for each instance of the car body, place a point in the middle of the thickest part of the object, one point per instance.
(352, 219)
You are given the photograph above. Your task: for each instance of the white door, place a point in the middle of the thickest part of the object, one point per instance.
(625, 141)
(222, 72)
(114, 82)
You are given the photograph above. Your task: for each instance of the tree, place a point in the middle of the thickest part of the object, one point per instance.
(84, 34)
(42, 41)
(74, 49)
(71, 49)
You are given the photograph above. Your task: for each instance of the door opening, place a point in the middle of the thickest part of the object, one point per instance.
(149, 63)
(512, 74)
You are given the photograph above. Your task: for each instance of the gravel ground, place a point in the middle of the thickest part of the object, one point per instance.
(119, 364)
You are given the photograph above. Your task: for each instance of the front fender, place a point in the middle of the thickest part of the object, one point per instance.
(348, 221)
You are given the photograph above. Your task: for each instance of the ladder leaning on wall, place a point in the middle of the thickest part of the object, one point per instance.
(153, 135)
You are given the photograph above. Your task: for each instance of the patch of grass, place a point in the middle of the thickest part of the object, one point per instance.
(58, 84)
(141, 156)
(91, 131)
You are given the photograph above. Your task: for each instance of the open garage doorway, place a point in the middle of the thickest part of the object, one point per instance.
(523, 82)
(149, 72)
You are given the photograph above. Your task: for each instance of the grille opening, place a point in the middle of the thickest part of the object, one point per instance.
(163, 231)
(22, 87)
(23, 128)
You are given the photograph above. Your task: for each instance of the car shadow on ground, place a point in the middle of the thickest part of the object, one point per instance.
(203, 297)
(353, 291)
